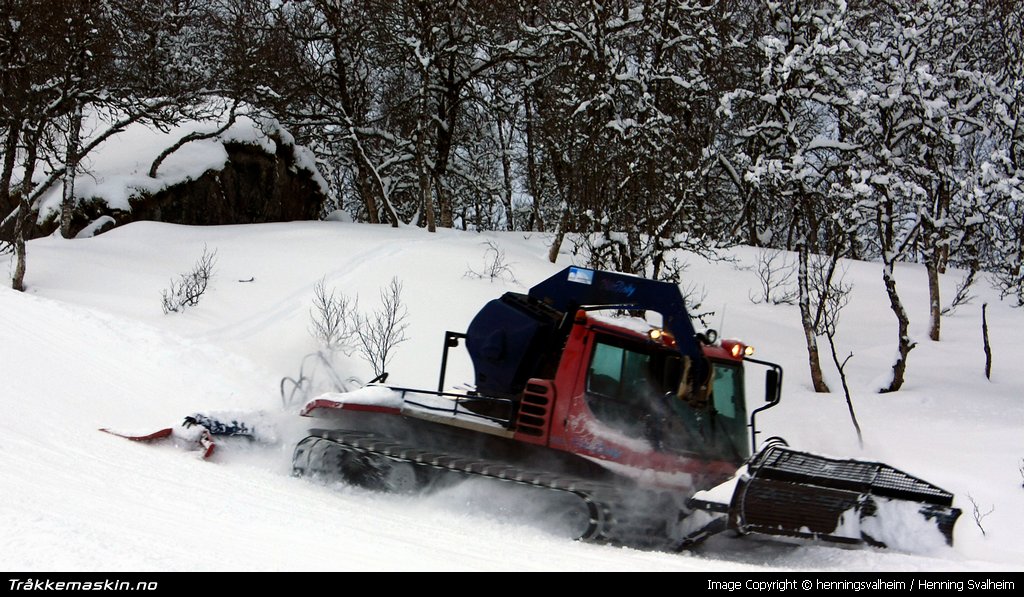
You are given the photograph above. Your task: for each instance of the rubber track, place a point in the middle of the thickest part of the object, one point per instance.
(603, 500)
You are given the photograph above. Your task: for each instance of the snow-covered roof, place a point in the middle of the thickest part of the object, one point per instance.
(118, 169)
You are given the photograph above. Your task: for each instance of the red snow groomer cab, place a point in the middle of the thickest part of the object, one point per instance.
(640, 434)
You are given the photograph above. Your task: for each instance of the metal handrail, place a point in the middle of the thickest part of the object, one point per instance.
(458, 399)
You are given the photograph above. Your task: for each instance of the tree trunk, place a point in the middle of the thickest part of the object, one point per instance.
(20, 250)
(426, 194)
(506, 175)
(934, 304)
(556, 243)
(532, 174)
(446, 119)
(905, 345)
(67, 206)
(364, 167)
(21, 222)
(444, 204)
(985, 344)
(427, 197)
(7, 205)
(423, 168)
(936, 253)
(366, 190)
(807, 320)
(750, 218)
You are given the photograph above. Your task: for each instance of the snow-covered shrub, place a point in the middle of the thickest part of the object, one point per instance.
(775, 275)
(979, 516)
(191, 286)
(381, 332)
(495, 267)
(333, 319)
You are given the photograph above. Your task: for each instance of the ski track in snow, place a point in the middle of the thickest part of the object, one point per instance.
(297, 302)
(87, 347)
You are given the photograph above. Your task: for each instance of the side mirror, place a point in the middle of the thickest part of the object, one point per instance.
(771, 386)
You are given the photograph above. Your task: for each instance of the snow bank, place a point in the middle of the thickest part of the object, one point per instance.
(901, 526)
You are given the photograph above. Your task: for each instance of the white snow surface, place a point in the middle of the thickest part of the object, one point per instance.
(87, 346)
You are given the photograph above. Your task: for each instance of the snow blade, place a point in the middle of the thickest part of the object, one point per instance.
(798, 494)
(149, 437)
(204, 441)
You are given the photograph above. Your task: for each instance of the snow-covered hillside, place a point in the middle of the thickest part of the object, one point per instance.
(88, 346)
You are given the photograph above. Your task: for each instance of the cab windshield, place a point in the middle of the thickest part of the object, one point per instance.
(729, 409)
(633, 388)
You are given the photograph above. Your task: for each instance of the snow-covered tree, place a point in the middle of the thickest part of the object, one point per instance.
(625, 124)
(999, 182)
(64, 60)
(784, 145)
(913, 104)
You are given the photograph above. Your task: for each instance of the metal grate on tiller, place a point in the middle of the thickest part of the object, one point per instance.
(874, 478)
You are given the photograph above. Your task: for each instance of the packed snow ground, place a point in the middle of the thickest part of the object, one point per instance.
(88, 347)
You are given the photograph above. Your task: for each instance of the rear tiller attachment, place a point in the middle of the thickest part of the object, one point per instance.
(791, 493)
